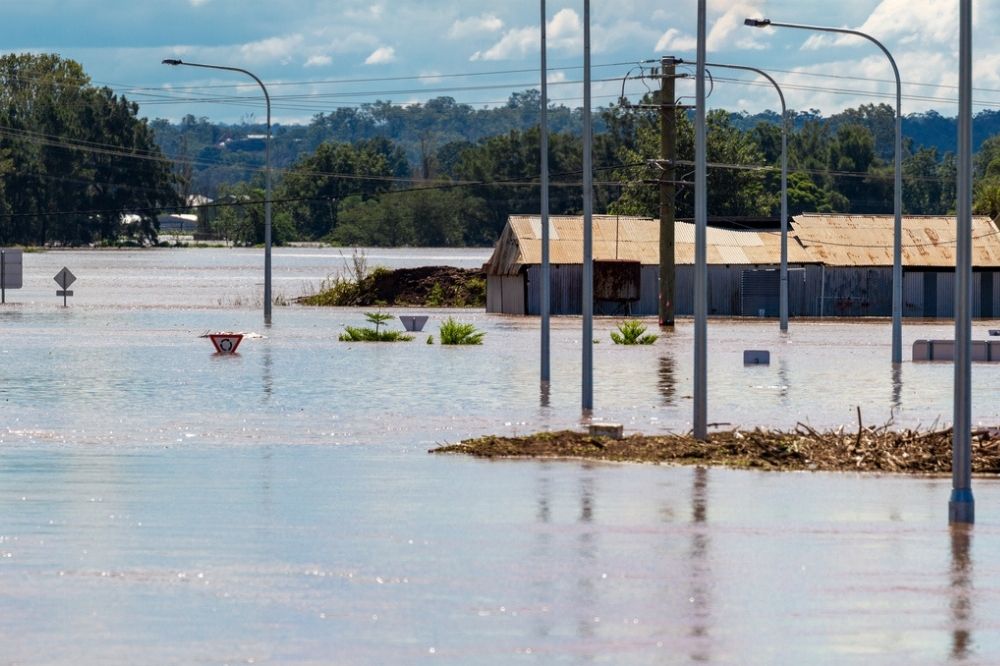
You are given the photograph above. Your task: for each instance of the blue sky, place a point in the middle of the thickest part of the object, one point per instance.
(317, 55)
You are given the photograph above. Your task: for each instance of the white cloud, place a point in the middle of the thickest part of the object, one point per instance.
(728, 31)
(318, 61)
(381, 56)
(487, 23)
(372, 13)
(675, 40)
(564, 32)
(272, 49)
(430, 77)
(198, 3)
(607, 38)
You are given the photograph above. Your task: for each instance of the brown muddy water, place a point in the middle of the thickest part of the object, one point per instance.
(161, 504)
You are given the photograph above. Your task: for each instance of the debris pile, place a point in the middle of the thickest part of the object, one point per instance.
(867, 449)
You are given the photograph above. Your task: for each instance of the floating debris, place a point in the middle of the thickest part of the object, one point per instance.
(867, 449)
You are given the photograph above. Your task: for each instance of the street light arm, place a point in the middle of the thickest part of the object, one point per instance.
(267, 173)
(783, 271)
(176, 61)
(768, 23)
(897, 261)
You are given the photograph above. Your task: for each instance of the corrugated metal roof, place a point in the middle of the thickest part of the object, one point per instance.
(833, 240)
(867, 240)
(631, 239)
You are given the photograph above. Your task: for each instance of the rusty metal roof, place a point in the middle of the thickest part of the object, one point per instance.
(866, 240)
(833, 240)
(630, 239)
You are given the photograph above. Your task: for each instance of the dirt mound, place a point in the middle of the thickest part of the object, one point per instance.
(424, 286)
(430, 286)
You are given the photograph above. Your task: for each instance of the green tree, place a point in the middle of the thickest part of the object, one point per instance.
(426, 217)
(78, 158)
(335, 172)
(240, 217)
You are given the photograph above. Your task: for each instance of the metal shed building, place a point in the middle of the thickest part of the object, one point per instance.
(839, 265)
(742, 267)
(853, 254)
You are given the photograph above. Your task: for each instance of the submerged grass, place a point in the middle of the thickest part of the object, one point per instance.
(632, 332)
(454, 332)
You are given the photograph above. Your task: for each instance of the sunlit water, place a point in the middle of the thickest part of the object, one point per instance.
(162, 504)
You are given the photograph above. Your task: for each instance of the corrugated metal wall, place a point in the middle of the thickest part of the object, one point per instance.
(813, 291)
(505, 294)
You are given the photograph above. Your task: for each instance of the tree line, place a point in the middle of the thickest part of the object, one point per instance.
(370, 193)
(78, 166)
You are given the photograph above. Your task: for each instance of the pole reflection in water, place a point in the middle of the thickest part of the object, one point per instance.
(961, 592)
(897, 386)
(667, 380)
(545, 394)
(783, 380)
(268, 376)
(700, 571)
(587, 554)
(542, 552)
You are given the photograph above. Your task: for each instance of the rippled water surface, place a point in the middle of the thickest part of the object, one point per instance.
(162, 504)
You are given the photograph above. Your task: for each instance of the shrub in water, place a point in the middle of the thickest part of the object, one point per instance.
(456, 333)
(358, 334)
(632, 332)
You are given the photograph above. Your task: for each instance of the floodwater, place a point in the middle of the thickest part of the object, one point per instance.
(162, 504)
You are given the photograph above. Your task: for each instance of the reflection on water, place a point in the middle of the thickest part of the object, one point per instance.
(961, 592)
(545, 393)
(783, 382)
(701, 572)
(897, 386)
(587, 556)
(666, 380)
(267, 381)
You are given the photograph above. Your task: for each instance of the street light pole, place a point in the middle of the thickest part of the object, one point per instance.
(961, 507)
(543, 140)
(700, 416)
(783, 272)
(267, 175)
(587, 288)
(897, 253)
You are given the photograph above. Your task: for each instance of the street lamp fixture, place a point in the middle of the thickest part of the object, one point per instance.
(897, 254)
(267, 175)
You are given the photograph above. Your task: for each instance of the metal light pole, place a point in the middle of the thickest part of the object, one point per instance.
(783, 272)
(543, 139)
(897, 254)
(267, 176)
(588, 221)
(961, 507)
(700, 420)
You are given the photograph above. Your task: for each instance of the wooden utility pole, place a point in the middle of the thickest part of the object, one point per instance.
(668, 176)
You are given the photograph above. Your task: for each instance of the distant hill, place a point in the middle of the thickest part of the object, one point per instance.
(219, 154)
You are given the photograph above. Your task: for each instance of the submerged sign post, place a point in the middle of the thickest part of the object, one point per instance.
(11, 271)
(64, 279)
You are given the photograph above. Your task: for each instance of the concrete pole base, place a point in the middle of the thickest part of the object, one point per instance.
(961, 507)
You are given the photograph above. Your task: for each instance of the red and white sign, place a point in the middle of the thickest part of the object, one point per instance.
(226, 343)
